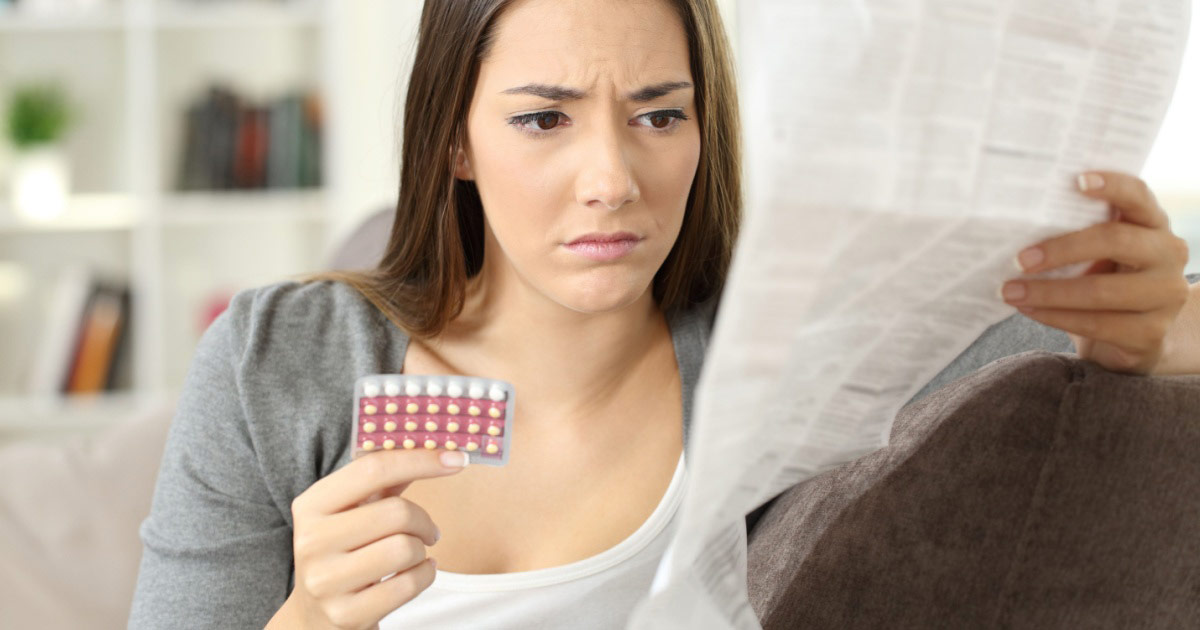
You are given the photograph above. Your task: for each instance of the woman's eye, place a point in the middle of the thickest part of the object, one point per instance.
(538, 122)
(664, 120)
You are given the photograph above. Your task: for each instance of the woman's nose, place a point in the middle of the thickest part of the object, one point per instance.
(606, 179)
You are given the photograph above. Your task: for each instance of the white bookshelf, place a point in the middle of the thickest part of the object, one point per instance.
(134, 66)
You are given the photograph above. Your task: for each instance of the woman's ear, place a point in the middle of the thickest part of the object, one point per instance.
(462, 166)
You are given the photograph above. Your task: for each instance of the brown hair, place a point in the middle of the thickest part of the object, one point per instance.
(436, 243)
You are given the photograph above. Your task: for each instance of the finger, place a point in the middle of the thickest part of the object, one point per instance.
(1135, 292)
(1134, 245)
(364, 525)
(350, 485)
(1136, 333)
(1128, 193)
(361, 568)
(378, 600)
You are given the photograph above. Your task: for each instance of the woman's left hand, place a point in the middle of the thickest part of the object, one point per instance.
(1119, 312)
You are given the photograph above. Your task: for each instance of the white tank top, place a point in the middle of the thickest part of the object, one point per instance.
(596, 592)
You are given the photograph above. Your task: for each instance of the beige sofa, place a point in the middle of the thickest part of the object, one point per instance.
(69, 515)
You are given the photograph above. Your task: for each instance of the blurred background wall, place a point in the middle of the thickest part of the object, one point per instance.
(159, 155)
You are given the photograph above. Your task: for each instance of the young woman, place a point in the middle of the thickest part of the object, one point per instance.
(567, 210)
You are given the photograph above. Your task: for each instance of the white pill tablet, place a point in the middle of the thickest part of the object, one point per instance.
(475, 391)
(496, 393)
(370, 389)
(391, 388)
(433, 388)
(412, 388)
(454, 389)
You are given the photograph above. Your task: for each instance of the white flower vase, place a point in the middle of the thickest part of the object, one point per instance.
(41, 182)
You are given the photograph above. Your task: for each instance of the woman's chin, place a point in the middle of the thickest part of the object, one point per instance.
(601, 297)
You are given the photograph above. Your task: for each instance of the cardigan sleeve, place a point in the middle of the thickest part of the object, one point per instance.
(217, 550)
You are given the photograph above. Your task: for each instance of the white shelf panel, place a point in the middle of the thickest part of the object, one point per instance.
(172, 16)
(227, 15)
(226, 207)
(85, 212)
(28, 414)
(14, 21)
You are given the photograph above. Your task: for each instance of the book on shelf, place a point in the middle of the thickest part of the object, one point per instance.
(232, 143)
(85, 346)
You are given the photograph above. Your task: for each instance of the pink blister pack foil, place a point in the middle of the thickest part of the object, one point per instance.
(434, 411)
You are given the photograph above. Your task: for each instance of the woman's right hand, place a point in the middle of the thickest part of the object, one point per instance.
(345, 541)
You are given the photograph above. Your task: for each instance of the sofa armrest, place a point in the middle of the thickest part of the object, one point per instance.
(1040, 491)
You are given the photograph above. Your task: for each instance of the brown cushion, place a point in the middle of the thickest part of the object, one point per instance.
(1040, 491)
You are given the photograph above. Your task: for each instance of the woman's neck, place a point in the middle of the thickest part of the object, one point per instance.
(566, 363)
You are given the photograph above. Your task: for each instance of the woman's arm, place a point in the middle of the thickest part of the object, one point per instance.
(217, 551)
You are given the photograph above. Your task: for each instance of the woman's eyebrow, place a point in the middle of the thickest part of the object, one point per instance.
(561, 93)
(651, 92)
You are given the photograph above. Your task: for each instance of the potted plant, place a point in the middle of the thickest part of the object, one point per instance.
(38, 117)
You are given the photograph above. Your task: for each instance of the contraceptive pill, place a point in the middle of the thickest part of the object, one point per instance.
(425, 411)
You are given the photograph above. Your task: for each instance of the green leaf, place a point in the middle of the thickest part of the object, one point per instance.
(37, 113)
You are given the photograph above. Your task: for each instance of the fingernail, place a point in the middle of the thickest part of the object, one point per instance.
(437, 534)
(1014, 291)
(1089, 181)
(454, 459)
(1031, 257)
(433, 562)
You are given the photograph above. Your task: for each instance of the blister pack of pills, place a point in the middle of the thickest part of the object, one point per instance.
(434, 411)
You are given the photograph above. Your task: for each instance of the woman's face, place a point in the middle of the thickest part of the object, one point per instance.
(583, 121)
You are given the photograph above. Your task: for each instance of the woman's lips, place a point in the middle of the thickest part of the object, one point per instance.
(603, 250)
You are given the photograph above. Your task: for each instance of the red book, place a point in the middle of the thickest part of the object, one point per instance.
(250, 161)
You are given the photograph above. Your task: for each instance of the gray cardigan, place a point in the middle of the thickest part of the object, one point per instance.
(263, 415)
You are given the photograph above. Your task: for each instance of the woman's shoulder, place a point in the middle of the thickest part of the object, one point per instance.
(292, 303)
(295, 314)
